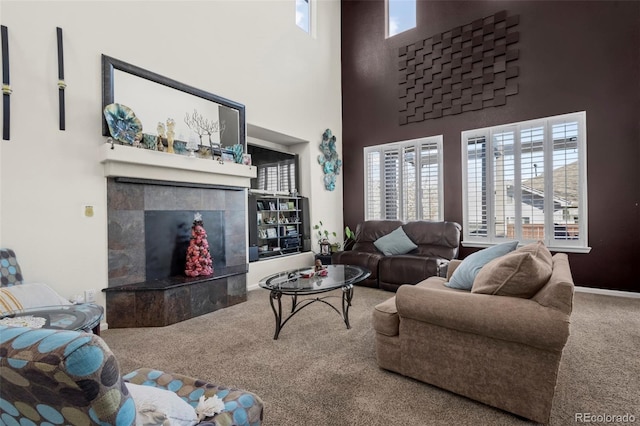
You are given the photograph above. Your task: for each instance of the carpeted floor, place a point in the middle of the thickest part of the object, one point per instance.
(320, 373)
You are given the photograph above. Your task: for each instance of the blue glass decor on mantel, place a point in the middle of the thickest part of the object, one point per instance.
(329, 160)
(238, 151)
(124, 126)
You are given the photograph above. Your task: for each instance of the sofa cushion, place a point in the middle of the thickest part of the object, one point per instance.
(521, 273)
(155, 405)
(394, 271)
(464, 275)
(539, 250)
(395, 242)
(366, 260)
(438, 283)
(10, 273)
(434, 238)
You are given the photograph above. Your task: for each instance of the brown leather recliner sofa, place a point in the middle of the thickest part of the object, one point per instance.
(499, 350)
(438, 243)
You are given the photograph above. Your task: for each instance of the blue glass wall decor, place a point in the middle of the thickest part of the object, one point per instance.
(329, 160)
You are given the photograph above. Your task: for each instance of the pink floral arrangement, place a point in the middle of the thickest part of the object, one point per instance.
(198, 261)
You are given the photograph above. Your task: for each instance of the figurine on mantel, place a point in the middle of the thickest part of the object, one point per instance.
(160, 130)
(171, 134)
(198, 262)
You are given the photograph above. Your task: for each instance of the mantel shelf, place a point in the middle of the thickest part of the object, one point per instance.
(125, 161)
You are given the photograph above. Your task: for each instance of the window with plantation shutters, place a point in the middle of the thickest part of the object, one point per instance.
(476, 195)
(280, 176)
(391, 183)
(373, 184)
(527, 182)
(268, 177)
(403, 180)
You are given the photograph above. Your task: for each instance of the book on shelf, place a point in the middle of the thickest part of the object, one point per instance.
(291, 230)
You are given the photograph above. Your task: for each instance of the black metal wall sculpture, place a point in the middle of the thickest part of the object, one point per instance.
(6, 88)
(61, 84)
(464, 69)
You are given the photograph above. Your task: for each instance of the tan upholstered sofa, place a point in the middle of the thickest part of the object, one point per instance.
(499, 350)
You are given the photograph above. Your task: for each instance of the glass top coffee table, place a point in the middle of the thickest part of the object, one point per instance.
(85, 317)
(306, 281)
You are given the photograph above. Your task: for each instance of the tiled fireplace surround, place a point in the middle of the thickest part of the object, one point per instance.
(143, 290)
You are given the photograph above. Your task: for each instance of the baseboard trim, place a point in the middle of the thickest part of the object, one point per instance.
(606, 292)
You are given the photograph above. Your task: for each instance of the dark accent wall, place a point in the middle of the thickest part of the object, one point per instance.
(573, 56)
(468, 68)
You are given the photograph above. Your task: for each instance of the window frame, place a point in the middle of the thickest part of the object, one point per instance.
(310, 13)
(579, 245)
(417, 144)
(283, 173)
(387, 25)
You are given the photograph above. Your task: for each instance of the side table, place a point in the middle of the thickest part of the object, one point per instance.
(324, 258)
(81, 317)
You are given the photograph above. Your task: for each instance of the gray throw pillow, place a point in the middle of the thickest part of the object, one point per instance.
(396, 242)
(466, 272)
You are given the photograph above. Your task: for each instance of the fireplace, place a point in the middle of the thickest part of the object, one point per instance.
(149, 227)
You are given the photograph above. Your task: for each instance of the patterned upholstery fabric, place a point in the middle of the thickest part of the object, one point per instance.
(10, 273)
(60, 377)
(72, 378)
(241, 408)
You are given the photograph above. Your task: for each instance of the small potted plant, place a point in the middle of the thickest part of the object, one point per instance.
(349, 238)
(323, 238)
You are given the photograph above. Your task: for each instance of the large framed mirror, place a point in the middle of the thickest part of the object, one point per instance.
(155, 99)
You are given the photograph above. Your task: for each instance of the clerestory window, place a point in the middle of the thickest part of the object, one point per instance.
(401, 16)
(403, 180)
(303, 15)
(527, 181)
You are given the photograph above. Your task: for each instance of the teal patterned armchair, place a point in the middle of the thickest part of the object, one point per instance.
(70, 377)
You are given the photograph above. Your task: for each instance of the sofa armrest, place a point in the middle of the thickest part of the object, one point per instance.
(500, 317)
(453, 264)
(188, 390)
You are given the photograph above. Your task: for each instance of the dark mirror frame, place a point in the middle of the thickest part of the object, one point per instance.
(110, 64)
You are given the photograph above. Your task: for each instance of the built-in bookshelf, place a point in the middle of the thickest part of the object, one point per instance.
(275, 225)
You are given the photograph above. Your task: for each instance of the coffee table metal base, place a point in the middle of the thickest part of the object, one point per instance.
(297, 306)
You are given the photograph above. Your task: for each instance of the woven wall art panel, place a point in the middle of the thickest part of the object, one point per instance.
(467, 68)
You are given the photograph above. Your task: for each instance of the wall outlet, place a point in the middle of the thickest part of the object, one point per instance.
(77, 298)
(90, 295)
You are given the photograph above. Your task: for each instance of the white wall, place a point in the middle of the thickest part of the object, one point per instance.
(248, 51)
